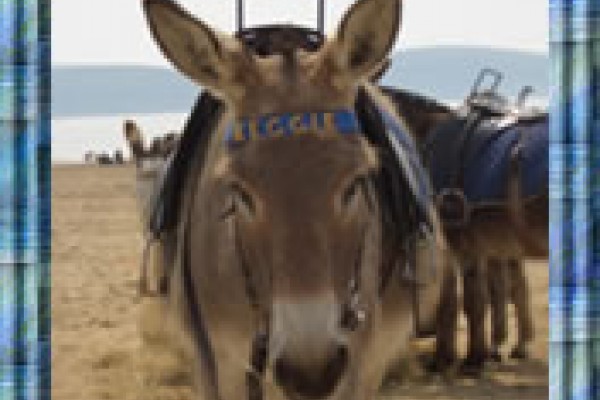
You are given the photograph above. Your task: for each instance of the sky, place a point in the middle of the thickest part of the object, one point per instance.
(115, 32)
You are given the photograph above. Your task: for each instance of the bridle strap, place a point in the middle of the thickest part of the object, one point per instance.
(260, 342)
(249, 287)
(258, 365)
(259, 348)
(344, 123)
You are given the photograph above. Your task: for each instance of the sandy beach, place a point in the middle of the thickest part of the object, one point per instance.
(97, 242)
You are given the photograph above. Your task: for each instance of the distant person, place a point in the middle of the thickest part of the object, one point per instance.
(119, 159)
(104, 158)
(89, 157)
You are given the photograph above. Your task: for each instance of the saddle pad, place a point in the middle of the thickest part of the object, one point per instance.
(485, 159)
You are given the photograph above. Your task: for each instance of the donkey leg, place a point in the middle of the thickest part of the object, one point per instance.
(447, 321)
(496, 274)
(521, 299)
(475, 299)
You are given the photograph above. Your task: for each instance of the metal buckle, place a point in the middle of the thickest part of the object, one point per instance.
(144, 288)
(426, 246)
(424, 243)
(453, 208)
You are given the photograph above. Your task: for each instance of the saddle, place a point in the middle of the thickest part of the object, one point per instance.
(470, 157)
(485, 157)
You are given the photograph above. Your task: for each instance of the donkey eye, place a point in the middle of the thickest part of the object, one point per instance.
(228, 210)
(239, 201)
(353, 190)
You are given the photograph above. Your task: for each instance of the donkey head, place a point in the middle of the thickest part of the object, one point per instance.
(290, 192)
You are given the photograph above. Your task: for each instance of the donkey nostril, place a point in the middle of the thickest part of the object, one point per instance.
(309, 380)
(350, 319)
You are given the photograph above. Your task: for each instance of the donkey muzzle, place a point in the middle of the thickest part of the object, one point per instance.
(310, 354)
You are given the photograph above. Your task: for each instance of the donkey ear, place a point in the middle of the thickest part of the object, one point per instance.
(366, 35)
(189, 44)
(134, 138)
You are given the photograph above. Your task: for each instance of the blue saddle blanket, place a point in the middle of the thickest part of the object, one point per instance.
(485, 159)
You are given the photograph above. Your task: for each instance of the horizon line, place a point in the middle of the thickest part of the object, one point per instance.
(132, 63)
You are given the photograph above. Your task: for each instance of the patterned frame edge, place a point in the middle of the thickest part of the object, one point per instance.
(25, 199)
(25, 360)
(574, 199)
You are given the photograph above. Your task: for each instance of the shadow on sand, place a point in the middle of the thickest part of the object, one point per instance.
(523, 380)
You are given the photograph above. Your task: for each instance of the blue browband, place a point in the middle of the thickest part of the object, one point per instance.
(341, 122)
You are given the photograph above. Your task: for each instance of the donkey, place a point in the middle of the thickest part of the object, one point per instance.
(288, 280)
(151, 163)
(491, 247)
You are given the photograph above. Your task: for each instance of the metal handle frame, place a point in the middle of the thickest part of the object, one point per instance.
(320, 16)
(497, 76)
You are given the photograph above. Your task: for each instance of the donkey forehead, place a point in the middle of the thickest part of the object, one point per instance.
(295, 82)
(302, 163)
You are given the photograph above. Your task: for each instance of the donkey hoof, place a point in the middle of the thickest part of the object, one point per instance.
(437, 364)
(472, 366)
(495, 356)
(519, 353)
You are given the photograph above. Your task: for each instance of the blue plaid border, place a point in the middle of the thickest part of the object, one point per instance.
(574, 292)
(25, 199)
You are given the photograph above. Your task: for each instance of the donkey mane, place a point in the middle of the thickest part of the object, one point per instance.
(413, 100)
(193, 146)
(421, 113)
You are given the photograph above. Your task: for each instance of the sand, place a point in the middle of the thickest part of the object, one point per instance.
(96, 245)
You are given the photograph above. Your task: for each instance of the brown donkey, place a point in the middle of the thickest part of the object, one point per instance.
(150, 163)
(287, 283)
(494, 243)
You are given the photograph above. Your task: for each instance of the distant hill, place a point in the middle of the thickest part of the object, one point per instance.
(449, 72)
(103, 90)
(442, 72)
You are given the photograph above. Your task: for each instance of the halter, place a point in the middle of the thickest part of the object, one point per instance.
(340, 123)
